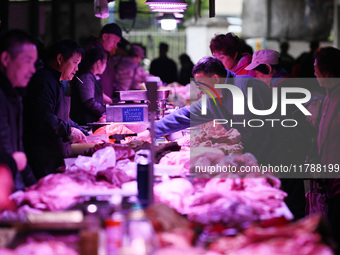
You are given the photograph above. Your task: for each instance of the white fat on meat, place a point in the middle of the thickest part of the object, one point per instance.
(300, 237)
(236, 201)
(173, 193)
(205, 156)
(56, 192)
(181, 159)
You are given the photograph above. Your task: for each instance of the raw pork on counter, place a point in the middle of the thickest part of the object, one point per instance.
(299, 238)
(215, 137)
(58, 191)
(235, 201)
(40, 248)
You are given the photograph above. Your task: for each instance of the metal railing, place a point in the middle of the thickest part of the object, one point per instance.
(150, 39)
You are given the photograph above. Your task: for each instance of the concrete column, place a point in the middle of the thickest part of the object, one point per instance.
(4, 10)
(34, 18)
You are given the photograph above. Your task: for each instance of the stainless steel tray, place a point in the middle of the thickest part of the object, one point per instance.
(139, 95)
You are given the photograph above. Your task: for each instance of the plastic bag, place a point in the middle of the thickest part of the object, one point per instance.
(100, 160)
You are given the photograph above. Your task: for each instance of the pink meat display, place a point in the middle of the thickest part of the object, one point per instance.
(44, 248)
(297, 238)
(119, 174)
(215, 137)
(234, 201)
(177, 158)
(58, 191)
(4, 251)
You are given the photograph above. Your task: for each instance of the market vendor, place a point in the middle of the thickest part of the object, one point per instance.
(87, 103)
(18, 54)
(48, 131)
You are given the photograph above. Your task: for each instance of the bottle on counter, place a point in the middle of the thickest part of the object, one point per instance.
(144, 177)
(91, 236)
(114, 233)
(114, 226)
(139, 235)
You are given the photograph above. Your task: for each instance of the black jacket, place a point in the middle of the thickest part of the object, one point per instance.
(45, 131)
(87, 100)
(11, 132)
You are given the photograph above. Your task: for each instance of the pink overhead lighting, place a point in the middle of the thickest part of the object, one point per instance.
(167, 5)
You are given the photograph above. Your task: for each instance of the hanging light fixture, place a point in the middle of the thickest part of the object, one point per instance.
(168, 21)
(101, 9)
(167, 5)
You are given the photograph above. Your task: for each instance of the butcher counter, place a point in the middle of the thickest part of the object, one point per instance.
(91, 205)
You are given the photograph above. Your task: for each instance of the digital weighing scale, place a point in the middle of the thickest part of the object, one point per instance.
(133, 106)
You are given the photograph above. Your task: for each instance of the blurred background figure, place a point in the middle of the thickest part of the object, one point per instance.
(129, 74)
(304, 65)
(286, 60)
(87, 105)
(185, 72)
(164, 67)
(246, 48)
(304, 68)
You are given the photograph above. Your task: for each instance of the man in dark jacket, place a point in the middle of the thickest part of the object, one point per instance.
(18, 54)
(48, 131)
(109, 37)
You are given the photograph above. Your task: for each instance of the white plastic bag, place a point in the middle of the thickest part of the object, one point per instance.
(100, 160)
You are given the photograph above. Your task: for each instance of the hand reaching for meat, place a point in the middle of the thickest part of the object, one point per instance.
(76, 136)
